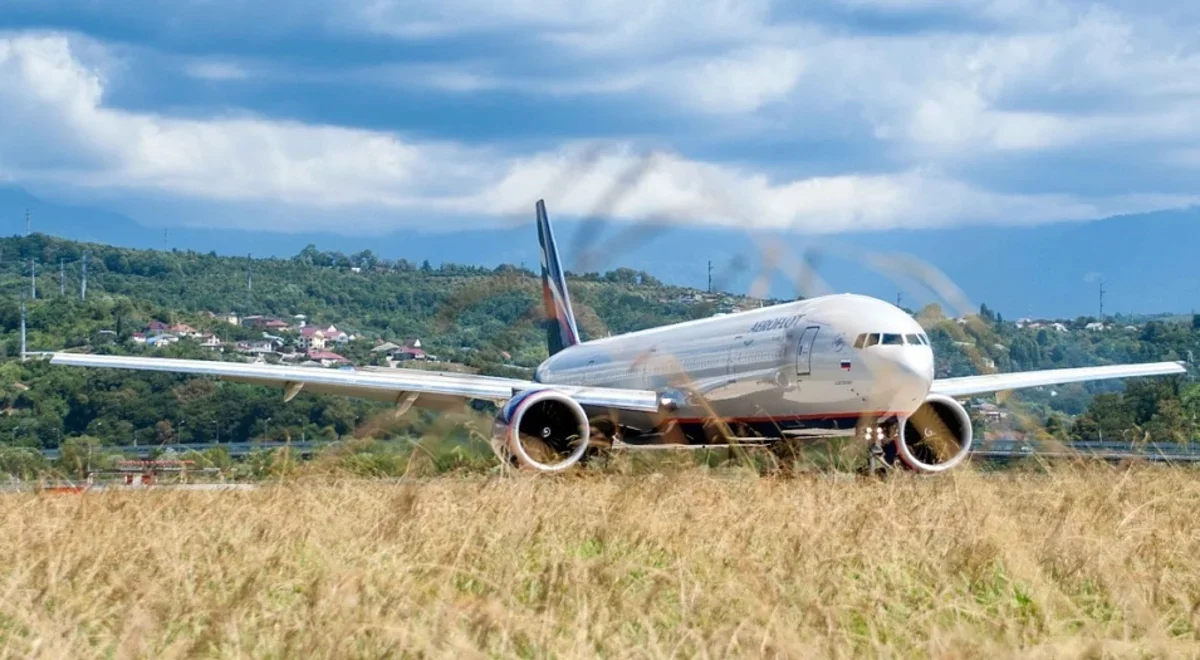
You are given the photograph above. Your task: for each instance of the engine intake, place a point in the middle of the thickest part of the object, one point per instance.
(542, 430)
(937, 437)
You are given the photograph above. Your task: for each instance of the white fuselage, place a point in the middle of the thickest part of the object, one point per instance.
(827, 358)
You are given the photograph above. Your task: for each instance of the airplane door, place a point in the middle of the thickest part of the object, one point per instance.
(804, 351)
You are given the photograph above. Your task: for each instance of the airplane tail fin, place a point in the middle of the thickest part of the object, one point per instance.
(561, 330)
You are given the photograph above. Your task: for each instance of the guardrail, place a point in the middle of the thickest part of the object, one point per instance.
(997, 450)
(235, 449)
(1164, 452)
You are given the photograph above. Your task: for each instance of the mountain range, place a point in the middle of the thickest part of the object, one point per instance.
(1144, 262)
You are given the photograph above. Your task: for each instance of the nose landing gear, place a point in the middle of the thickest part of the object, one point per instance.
(882, 441)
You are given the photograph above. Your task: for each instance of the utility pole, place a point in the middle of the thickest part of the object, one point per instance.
(83, 280)
(23, 346)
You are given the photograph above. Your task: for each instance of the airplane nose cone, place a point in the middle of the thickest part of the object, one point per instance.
(903, 380)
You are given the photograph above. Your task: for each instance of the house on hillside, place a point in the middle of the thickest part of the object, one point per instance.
(184, 330)
(139, 337)
(326, 358)
(408, 353)
(991, 412)
(157, 341)
(156, 328)
(311, 338)
(332, 334)
(211, 341)
(258, 346)
(385, 347)
(268, 323)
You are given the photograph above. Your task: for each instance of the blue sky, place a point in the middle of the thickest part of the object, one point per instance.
(375, 115)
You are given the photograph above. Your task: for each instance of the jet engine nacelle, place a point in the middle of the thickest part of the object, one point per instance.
(543, 430)
(937, 437)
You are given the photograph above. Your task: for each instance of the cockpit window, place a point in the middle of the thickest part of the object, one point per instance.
(866, 340)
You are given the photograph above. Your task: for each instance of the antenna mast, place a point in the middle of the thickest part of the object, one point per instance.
(249, 273)
(83, 279)
(710, 276)
(62, 276)
(1102, 301)
(27, 223)
(33, 279)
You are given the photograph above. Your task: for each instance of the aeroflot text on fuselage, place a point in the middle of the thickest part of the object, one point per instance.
(781, 323)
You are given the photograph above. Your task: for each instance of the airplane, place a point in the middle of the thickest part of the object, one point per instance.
(835, 363)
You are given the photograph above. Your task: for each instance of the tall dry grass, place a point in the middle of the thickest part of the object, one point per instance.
(1087, 562)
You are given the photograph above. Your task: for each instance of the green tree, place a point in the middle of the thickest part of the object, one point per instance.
(77, 456)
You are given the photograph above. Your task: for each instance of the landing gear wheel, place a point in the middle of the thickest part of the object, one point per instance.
(600, 445)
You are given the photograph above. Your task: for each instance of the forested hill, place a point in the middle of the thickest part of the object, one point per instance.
(469, 317)
(448, 307)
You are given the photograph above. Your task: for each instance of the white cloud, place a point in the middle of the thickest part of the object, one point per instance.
(613, 47)
(1096, 78)
(612, 28)
(49, 97)
(217, 71)
(998, 77)
(739, 82)
(1054, 78)
(743, 81)
(678, 189)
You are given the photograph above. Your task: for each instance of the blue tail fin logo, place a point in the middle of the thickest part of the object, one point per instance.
(561, 330)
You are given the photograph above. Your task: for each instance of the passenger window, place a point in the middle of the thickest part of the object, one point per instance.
(892, 340)
(872, 339)
(861, 341)
(912, 339)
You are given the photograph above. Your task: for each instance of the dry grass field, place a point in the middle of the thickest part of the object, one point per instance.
(1088, 562)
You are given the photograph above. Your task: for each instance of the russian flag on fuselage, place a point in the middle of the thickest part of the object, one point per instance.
(561, 330)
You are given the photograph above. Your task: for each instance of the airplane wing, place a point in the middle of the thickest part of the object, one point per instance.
(404, 387)
(970, 385)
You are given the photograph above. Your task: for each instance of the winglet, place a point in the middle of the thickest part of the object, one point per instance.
(561, 330)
